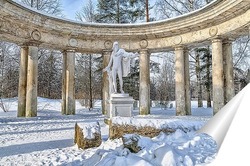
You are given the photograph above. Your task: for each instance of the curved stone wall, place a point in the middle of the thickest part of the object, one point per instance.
(224, 18)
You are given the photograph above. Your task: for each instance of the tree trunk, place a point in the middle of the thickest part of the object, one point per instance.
(90, 83)
(147, 13)
(208, 86)
(32, 3)
(37, 4)
(118, 11)
(198, 76)
(208, 98)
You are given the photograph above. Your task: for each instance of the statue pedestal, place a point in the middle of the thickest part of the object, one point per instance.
(120, 105)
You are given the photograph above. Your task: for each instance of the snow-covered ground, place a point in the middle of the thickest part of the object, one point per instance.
(48, 139)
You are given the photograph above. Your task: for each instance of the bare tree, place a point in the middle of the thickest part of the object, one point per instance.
(88, 79)
(241, 60)
(87, 13)
(147, 10)
(88, 63)
(9, 54)
(165, 86)
(49, 61)
(172, 8)
(52, 7)
(49, 74)
(241, 49)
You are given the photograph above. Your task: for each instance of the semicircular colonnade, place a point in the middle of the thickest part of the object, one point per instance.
(218, 23)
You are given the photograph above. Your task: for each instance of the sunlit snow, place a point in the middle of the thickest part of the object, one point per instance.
(48, 138)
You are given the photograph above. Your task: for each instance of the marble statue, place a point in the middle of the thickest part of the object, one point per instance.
(120, 61)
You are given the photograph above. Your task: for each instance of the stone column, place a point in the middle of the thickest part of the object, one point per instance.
(63, 111)
(217, 75)
(22, 82)
(68, 96)
(144, 95)
(105, 82)
(228, 71)
(32, 73)
(187, 82)
(180, 81)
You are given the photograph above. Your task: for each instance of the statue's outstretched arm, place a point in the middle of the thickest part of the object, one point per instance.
(130, 54)
(134, 55)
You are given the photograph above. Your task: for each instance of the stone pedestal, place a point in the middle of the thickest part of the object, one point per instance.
(120, 105)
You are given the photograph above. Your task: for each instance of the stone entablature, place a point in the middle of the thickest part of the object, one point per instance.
(220, 18)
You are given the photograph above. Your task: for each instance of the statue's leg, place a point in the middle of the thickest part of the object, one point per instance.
(114, 80)
(120, 79)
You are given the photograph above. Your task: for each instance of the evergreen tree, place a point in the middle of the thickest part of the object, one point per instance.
(206, 67)
(198, 76)
(120, 11)
(131, 83)
(107, 11)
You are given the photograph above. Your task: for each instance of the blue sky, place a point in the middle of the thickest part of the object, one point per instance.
(70, 7)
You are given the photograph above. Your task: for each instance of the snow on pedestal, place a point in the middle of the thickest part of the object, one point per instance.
(87, 135)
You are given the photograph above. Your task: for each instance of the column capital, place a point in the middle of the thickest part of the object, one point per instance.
(180, 47)
(23, 45)
(143, 50)
(31, 43)
(106, 50)
(69, 50)
(217, 39)
(228, 41)
(186, 49)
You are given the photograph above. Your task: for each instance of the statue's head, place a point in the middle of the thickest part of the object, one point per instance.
(115, 46)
